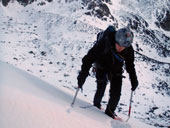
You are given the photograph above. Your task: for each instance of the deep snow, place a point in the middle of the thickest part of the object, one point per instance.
(28, 102)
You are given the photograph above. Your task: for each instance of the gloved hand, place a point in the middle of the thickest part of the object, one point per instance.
(134, 83)
(94, 69)
(93, 72)
(81, 79)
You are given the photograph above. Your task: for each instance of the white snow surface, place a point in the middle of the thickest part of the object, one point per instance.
(29, 102)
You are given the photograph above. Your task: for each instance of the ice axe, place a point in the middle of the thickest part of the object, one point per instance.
(130, 106)
(72, 104)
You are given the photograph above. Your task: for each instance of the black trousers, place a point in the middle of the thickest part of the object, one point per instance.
(102, 80)
(115, 92)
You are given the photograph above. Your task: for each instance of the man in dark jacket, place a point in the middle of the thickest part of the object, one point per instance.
(110, 53)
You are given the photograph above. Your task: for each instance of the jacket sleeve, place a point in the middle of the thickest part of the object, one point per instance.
(89, 59)
(130, 67)
(87, 62)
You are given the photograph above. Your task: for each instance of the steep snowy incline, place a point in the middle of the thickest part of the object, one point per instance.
(28, 102)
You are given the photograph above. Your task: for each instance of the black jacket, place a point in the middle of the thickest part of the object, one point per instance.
(104, 54)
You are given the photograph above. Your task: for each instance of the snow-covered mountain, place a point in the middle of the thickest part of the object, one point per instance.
(49, 39)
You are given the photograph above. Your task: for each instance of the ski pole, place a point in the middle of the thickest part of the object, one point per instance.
(130, 105)
(72, 104)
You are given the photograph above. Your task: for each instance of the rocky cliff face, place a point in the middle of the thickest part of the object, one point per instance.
(23, 2)
(154, 38)
(101, 10)
(163, 20)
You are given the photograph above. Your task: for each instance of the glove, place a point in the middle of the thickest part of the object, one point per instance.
(81, 79)
(94, 70)
(134, 83)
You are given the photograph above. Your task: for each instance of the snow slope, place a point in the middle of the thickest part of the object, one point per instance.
(28, 102)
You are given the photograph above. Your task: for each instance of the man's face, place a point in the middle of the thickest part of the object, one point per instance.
(119, 48)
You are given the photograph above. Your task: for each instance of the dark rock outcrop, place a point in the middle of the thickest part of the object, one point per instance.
(22, 2)
(163, 19)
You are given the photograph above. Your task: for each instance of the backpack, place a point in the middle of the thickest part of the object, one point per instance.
(110, 31)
